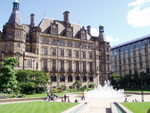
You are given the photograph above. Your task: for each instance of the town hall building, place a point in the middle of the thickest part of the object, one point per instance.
(65, 51)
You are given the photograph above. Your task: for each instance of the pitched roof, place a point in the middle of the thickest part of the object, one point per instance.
(15, 18)
(46, 23)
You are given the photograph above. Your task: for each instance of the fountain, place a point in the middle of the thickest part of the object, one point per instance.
(105, 91)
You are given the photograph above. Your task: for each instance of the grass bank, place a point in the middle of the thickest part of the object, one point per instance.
(137, 107)
(36, 107)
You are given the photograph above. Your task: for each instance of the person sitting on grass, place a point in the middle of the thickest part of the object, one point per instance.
(76, 101)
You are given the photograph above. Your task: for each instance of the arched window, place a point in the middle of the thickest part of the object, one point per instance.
(69, 78)
(84, 78)
(53, 78)
(91, 78)
(62, 78)
(77, 77)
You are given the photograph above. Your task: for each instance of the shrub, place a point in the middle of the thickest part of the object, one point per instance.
(91, 85)
(3, 96)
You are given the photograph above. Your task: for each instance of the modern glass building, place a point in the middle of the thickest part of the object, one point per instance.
(131, 56)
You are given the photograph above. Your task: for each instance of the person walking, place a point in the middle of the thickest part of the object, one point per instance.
(65, 97)
(83, 96)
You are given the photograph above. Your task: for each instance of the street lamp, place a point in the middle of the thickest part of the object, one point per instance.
(141, 77)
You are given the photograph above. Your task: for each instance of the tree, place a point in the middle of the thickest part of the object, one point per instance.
(30, 81)
(8, 80)
(115, 80)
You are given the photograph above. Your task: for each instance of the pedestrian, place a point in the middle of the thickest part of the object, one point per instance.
(125, 100)
(83, 96)
(65, 97)
(76, 101)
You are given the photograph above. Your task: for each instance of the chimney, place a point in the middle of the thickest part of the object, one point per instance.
(32, 20)
(89, 30)
(66, 16)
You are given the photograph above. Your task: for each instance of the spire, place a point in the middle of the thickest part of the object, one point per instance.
(15, 5)
(101, 34)
(15, 17)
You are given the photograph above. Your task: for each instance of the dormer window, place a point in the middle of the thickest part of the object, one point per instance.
(54, 29)
(83, 33)
(69, 31)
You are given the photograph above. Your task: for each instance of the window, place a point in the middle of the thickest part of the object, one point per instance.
(77, 77)
(69, 32)
(91, 78)
(90, 55)
(54, 29)
(69, 78)
(77, 54)
(54, 51)
(45, 40)
(83, 45)
(70, 66)
(28, 39)
(84, 66)
(18, 45)
(62, 65)
(18, 34)
(84, 78)
(9, 34)
(77, 44)
(61, 42)
(83, 33)
(90, 66)
(45, 65)
(77, 66)
(69, 44)
(8, 44)
(90, 46)
(55, 42)
(29, 63)
(70, 53)
(62, 78)
(84, 54)
(53, 78)
(45, 51)
(53, 65)
(61, 52)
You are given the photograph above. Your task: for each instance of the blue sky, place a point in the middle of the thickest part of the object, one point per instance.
(123, 20)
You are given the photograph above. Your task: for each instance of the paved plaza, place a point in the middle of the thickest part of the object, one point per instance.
(103, 105)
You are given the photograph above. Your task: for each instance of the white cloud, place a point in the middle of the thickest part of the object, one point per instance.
(111, 38)
(94, 32)
(137, 3)
(137, 16)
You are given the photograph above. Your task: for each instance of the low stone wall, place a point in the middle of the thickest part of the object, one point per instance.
(137, 93)
(121, 107)
(21, 99)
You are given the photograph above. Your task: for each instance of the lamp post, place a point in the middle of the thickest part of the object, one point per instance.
(141, 77)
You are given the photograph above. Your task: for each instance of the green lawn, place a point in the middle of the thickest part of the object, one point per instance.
(36, 107)
(138, 107)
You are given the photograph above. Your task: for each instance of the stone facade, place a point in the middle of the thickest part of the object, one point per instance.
(65, 51)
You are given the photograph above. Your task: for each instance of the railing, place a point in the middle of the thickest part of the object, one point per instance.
(45, 69)
(54, 70)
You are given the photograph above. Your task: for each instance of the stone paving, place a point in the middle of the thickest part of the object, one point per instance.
(103, 105)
